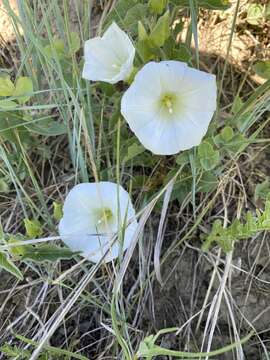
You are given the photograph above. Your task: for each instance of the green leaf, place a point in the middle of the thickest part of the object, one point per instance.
(120, 9)
(108, 89)
(161, 31)
(145, 46)
(16, 251)
(169, 48)
(157, 6)
(262, 190)
(142, 33)
(227, 133)
(183, 158)
(49, 252)
(206, 4)
(133, 15)
(229, 141)
(255, 14)
(48, 127)
(182, 188)
(226, 237)
(8, 104)
(214, 4)
(9, 266)
(237, 105)
(57, 211)
(75, 42)
(209, 158)
(23, 89)
(182, 53)
(6, 86)
(224, 137)
(9, 121)
(208, 182)
(146, 345)
(132, 151)
(145, 49)
(4, 188)
(262, 68)
(33, 228)
(57, 47)
(236, 143)
(15, 352)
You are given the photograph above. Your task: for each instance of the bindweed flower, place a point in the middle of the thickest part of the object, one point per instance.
(93, 215)
(169, 106)
(109, 58)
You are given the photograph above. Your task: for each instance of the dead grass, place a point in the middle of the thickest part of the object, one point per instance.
(211, 298)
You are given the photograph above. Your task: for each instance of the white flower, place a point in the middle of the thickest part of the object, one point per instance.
(109, 58)
(92, 220)
(169, 106)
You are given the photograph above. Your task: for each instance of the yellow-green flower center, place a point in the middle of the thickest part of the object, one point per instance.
(104, 218)
(168, 103)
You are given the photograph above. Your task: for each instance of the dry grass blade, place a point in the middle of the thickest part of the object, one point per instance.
(123, 268)
(105, 310)
(65, 309)
(160, 234)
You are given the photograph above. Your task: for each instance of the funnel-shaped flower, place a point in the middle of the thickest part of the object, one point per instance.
(94, 214)
(108, 58)
(169, 106)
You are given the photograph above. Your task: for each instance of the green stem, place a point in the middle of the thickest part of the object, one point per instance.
(157, 350)
(52, 349)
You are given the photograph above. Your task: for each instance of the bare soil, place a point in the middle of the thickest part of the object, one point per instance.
(188, 272)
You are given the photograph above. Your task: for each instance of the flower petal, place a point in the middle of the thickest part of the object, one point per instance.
(199, 90)
(171, 74)
(192, 128)
(161, 140)
(147, 81)
(109, 58)
(166, 129)
(98, 61)
(118, 42)
(79, 198)
(78, 227)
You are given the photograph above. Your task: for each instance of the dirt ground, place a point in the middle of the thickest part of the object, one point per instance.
(6, 28)
(188, 273)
